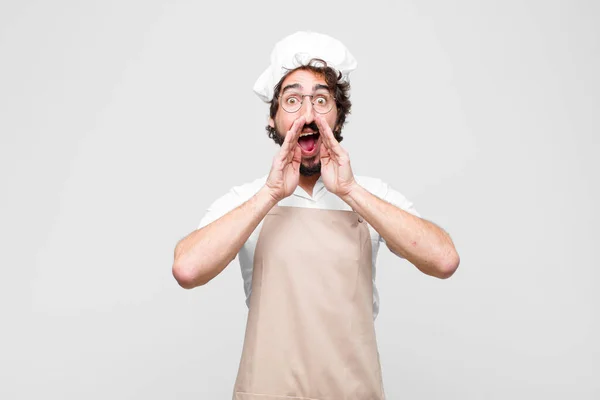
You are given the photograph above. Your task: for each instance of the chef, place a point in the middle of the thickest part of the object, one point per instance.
(307, 236)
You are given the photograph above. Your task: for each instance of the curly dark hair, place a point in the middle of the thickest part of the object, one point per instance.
(338, 88)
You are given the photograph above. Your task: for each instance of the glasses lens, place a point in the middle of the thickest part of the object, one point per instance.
(323, 103)
(291, 102)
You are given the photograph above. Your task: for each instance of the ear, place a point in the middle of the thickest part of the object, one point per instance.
(271, 122)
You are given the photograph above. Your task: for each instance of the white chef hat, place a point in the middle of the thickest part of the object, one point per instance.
(297, 50)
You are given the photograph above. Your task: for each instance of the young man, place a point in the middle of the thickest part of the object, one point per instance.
(307, 236)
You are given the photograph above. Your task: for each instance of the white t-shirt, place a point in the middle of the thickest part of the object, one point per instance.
(321, 199)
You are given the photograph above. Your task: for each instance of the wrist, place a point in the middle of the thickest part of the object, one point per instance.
(350, 194)
(268, 196)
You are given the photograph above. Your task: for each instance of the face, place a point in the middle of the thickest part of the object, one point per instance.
(304, 83)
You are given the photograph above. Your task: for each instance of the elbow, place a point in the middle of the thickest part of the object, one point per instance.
(448, 265)
(187, 274)
(186, 278)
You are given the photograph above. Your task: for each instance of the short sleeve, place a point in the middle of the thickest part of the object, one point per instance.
(222, 206)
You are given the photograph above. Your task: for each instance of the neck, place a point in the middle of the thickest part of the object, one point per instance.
(308, 182)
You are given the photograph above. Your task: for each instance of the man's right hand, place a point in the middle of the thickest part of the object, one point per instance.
(285, 171)
(205, 252)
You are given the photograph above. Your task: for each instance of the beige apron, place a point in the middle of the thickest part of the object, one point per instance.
(310, 333)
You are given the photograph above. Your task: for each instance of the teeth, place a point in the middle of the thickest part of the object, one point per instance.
(308, 134)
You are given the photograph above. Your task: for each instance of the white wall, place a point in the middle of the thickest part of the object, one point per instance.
(120, 121)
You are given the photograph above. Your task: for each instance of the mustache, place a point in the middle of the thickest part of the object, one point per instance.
(312, 126)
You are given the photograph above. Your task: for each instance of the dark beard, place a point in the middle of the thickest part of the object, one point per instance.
(305, 170)
(310, 171)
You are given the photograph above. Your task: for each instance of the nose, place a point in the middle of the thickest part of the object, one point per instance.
(307, 109)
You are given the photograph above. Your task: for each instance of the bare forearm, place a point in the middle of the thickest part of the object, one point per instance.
(421, 242)
(204, 253)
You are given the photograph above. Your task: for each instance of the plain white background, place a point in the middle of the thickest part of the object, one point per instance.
(121, 121)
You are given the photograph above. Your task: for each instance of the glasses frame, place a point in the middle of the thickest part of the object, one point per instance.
(311, 102)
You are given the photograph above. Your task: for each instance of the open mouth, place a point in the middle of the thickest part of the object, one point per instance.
(308, 141)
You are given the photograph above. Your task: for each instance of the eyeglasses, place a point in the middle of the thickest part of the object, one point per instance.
(322, 102)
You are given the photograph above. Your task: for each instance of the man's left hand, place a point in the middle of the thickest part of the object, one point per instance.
(335, 162)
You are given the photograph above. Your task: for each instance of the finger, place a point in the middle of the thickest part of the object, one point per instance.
(324, 154)
(291, 137)
(327, 135)
(297, 157)
(295, 129)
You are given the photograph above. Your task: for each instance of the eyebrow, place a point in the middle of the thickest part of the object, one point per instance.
(292, 86)
(320, 86)
(299, 86)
